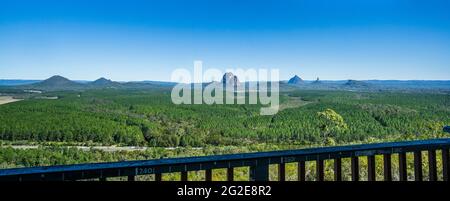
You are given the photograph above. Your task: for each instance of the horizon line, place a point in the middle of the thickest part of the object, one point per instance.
(281, 80)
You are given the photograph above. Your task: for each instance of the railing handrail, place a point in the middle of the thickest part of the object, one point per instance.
(332, 152)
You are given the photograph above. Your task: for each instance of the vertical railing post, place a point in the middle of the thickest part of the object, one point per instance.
(432, 165)
(319, 170)
(260, 171)
(301, 171)
(208, 175)
(337, 169)
(184, 176)
(282, 172)
(402, 166)
(355, 168)
(418, 166)
(387, 167)
(230, 174)
(158, 177)
(131, 178)
(371, 168)
(445, 164)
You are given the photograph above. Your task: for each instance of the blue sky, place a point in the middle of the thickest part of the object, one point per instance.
(147, 40)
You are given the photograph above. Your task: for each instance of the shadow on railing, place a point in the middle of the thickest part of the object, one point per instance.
(259, 164)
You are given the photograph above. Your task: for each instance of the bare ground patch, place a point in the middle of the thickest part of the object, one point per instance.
(8, 99)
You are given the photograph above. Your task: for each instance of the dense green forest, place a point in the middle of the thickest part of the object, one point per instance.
(307, 118)
(148, 118)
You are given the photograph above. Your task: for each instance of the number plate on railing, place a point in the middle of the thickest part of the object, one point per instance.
(140, 171)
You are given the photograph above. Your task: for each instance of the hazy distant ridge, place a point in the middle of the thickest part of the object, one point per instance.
(61, 83)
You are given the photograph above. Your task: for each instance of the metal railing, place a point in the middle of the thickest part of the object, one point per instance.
(259, 164)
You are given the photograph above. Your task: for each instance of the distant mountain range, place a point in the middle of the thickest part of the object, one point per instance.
(104, 82)
(61, 83)
(57, 83)
(295, 80)
(356, 83)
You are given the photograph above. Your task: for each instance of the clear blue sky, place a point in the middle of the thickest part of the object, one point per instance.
(146, 40)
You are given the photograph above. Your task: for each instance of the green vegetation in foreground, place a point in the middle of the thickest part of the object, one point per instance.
(148, 118)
